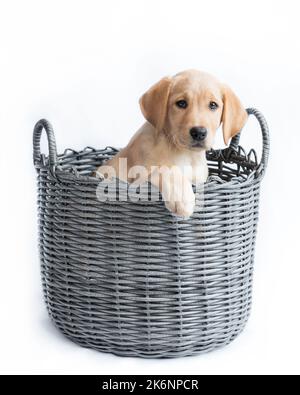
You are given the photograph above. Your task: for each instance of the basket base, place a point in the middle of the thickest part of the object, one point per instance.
(176, 351)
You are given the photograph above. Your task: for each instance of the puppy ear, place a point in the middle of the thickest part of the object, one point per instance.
(234, 115)
(154, 103)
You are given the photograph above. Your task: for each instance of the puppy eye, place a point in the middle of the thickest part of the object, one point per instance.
(213, 105)
(182, 104)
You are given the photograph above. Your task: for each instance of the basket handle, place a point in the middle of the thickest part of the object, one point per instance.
(37, 133)
(266, 139)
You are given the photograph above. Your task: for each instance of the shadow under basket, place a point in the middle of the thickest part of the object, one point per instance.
(129, 278)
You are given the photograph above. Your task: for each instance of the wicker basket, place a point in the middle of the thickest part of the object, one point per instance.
(132, 279)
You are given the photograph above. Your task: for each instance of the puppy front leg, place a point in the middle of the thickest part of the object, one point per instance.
(177, 192)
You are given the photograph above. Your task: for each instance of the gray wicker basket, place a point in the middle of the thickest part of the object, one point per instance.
(132, 279)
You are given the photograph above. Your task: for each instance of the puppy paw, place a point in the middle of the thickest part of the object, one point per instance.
(181, 209)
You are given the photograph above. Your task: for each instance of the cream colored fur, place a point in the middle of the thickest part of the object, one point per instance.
(164, 141)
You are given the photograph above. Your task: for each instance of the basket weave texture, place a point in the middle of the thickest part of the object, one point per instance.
(130, 278)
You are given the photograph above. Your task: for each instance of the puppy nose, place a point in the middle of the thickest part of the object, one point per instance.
(198, 133)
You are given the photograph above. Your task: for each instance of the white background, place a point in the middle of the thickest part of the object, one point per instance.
(83, 65)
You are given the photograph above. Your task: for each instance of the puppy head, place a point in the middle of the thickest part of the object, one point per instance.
(190, 107)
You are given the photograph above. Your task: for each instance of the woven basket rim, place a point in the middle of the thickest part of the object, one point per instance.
(72, 174)
(52, 160)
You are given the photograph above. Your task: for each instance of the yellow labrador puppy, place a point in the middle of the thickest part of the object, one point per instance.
(183, 113)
